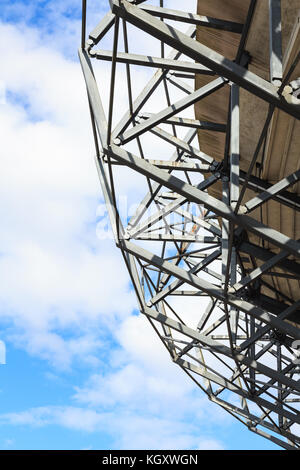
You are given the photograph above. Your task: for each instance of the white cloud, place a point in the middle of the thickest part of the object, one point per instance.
(7, 443)
(69, 417)
(157, 404)
(54, 273)
(210, 444)
(129, 432)
(61, 291)
(143, 402)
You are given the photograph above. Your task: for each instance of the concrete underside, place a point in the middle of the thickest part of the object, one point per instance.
(281, 155)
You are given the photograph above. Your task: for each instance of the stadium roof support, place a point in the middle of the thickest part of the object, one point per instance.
(205, 248)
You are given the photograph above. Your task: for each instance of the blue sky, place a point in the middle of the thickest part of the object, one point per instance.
(84, 370)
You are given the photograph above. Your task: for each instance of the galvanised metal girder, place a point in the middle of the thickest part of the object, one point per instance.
(199, 20)
(246, 337)
(146, 93)
(275, 40)
(151, 61)
(202, 285)
(193, 194)
(170, 111)
(287, 198)
(179, 121)
(200, 53)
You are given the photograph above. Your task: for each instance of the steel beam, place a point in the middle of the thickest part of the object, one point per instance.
(151, 61)
(101, 29)
(265, 255)
(147, 92)
(208, 22)
(210, 289)
(224, 350)
(193, 194)
(275, 41)
(170, 111)
(194, 123)
(243, 341)
(272, 191)
(204, 55)
(258, 185)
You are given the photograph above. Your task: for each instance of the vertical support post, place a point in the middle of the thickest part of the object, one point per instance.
(252, 354)
(275, 42)
(234, 186)
(233, 279)
(234, 146)
(112, 80)
(247, 323)
(83, 24)
(280, 418)
(225, 228)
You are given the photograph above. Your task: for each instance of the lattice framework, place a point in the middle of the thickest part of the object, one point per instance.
(228, 339)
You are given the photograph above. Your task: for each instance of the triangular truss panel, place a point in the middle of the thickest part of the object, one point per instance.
(212, 244)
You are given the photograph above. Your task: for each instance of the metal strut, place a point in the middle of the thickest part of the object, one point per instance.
(239, 332)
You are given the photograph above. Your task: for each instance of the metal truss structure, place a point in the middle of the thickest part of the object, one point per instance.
(210, 312)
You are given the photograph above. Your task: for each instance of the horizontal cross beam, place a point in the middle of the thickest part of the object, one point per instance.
(170, 111)
(212, 290)
(195, 195)
(203, 54)
(198, 20)
(151, 61)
